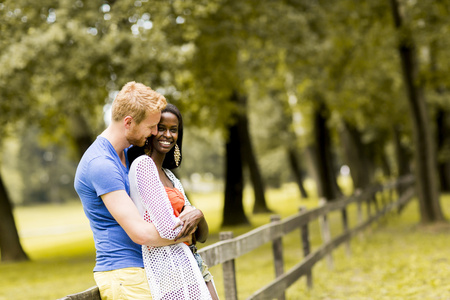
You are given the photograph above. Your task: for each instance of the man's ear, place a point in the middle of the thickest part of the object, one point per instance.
(127, 121)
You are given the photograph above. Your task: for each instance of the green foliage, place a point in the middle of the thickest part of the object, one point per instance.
(63, 61)
(202, 145)
(270, 135)
(36, 171)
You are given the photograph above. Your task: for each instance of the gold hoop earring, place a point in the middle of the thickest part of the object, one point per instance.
(177, 155)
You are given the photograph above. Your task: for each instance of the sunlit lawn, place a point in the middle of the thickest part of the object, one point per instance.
(395, 259)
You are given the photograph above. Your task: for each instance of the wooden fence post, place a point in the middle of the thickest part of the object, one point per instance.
(306, 247)
(277, 249)
(345, 229)
(375, 202)
(229, 271)
(369, 211)
(391, 198)
(325, 230)
(384, 202)
(359, 212)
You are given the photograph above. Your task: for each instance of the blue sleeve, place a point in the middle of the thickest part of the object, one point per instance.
(105, 176)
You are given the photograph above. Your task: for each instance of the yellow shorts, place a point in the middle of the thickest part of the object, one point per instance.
(123, 284)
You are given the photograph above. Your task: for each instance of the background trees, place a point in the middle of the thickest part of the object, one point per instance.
(287, 90)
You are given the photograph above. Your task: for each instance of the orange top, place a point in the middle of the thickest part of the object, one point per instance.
(176, 199)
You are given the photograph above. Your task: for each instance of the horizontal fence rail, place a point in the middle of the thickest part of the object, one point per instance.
(90, 294)
(228, 249)
(273, 289)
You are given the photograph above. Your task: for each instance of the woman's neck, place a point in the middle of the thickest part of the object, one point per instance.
(158, 159)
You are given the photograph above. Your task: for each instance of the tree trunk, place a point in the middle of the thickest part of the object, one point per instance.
(294, 162)
(402, 154)
(425, 155)
(249, 158)
(81, 133)
(233, 209)
(292, 154)
(385, 163)
(323, 161)
(403, 162)
(443, 128)
(10, 247)
(355, 156)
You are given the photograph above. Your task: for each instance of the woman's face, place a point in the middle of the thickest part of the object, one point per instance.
(167, 134)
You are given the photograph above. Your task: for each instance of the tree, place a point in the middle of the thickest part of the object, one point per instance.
(10, 246)
(13, 97)
(233, 208)
(349, 61)
(249, 158)
(219, 36)
(425, 155)
(432, 23)
(323, 157)
(355, 153)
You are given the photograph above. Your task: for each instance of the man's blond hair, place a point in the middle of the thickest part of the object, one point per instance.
(135, 100)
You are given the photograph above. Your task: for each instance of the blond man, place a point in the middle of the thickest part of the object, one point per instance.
(101, 181)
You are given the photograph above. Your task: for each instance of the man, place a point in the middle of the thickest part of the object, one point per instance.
(101, 181)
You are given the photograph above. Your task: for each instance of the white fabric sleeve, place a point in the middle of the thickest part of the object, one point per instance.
(154, 198)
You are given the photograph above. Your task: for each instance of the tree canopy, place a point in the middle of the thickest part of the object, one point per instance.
(313, 75)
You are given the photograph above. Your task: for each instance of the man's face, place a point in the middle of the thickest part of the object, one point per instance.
(138, 133)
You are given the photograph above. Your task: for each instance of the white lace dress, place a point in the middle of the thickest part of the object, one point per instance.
(172, 271)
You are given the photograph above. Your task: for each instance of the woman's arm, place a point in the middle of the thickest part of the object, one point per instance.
(153, 197)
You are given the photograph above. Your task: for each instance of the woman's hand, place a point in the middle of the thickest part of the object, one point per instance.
(189, 239)
(189, 219)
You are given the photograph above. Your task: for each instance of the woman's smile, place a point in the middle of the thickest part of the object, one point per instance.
(165, 144)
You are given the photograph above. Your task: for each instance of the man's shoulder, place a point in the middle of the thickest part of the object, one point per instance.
(97, 157)
(99, 149)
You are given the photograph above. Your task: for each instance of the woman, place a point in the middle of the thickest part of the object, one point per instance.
(173, 272)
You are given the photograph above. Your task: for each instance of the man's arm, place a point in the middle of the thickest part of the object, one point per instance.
(122, 208)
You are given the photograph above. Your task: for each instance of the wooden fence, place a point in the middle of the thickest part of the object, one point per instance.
(378, 200)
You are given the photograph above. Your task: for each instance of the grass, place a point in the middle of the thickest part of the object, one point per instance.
(394, 259)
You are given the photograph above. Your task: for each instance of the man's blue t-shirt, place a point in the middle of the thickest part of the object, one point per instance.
(99, 172)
